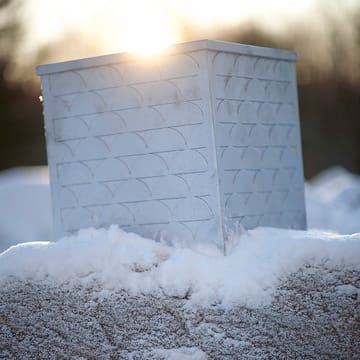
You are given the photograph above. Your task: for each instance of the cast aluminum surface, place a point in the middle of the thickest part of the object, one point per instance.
(183, 146)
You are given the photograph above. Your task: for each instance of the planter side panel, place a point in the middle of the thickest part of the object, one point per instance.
(258, 141)
(129, 144)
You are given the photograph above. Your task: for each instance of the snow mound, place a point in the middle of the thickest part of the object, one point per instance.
(333, 201)
(25, 206)
(248, 275)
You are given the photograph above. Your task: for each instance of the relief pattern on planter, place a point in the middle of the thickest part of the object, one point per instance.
(258, 141)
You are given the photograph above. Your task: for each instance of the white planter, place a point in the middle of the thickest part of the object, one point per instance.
(185, 145)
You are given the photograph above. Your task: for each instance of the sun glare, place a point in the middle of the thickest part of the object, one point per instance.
(149, 26)
(143, 27)
(149, 43)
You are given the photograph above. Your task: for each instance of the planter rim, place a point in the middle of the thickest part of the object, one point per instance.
(212, 45)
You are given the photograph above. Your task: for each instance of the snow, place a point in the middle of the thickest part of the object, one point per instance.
(311, 307)
(117, 260)
(351, 290)
(333, 201)
(25, 207)
(180, 354)
(248, 275)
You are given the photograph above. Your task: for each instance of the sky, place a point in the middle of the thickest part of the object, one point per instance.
(148, 25)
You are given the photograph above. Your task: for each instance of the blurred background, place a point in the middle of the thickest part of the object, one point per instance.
(325, 34)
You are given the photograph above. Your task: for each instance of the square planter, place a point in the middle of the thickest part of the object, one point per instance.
(184, 146)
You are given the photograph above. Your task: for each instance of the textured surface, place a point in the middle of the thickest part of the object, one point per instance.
(258, 141)
(129, 144)
(170, 147)
(315, 315)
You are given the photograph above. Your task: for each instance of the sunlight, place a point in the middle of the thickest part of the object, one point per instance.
(146, 26)
(147, 43)
(143, 27)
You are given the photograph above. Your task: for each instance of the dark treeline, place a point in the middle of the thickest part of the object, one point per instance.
(328, 89)
(22, 139)
(21, 131)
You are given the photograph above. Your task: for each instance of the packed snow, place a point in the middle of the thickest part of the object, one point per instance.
(248, 275)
